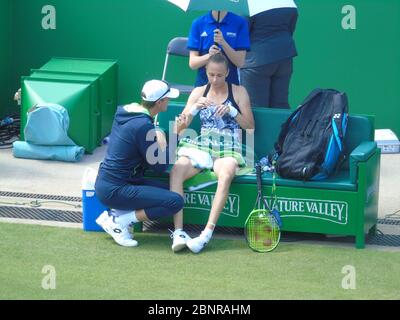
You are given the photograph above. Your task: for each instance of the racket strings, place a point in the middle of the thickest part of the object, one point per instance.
(262, 231)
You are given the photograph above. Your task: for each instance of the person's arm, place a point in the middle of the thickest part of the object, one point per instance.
(154, 151)
(237, 57)
(245, 117)
(161, 139)
(195, 103)
(196, 61)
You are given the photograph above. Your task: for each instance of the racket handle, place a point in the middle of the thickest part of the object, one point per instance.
(258, 174)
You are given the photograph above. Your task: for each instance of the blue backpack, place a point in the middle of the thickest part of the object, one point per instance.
(311, 142)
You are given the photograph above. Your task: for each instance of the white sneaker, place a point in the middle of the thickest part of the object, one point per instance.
(197, 244)
(103, 217)
(180, 239)
(119, 233)
(107, 215)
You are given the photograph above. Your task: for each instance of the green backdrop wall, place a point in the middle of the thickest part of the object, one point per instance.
(364, 62)
(5, 50)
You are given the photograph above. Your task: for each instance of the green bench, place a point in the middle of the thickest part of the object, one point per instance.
(345, 204)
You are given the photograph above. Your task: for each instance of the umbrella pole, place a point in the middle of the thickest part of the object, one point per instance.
(218, 17)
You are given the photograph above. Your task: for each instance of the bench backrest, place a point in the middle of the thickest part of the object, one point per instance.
(268, 126)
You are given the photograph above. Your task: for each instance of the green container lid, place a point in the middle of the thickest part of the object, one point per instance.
(81, 65)
(107, 83)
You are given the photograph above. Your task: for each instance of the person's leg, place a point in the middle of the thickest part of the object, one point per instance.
(154, 183)
(225, 169)
(104, 190)
(136, 203)
(181, 171)
(257, 82)
(150, 203)
(280, 83)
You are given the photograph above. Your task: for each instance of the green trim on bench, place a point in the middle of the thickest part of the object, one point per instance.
(361, 154)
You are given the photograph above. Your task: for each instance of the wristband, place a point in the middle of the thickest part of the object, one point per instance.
(194, 111)
(233, 111)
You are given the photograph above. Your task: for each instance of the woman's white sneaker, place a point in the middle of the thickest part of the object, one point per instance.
(180, 239)
(197, 244)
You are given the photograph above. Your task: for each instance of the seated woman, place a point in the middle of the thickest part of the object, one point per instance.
(224, 110)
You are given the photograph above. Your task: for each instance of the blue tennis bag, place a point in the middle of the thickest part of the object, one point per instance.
(311, 142)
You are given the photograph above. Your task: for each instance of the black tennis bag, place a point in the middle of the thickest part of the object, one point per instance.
(310, 144)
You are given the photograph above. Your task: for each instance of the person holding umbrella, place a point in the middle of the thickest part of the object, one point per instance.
(218, 31)
(268, 67)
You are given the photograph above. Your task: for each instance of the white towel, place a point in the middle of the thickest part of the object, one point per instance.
(200, 159)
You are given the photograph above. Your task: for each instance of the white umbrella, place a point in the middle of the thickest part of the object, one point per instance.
(241, 7)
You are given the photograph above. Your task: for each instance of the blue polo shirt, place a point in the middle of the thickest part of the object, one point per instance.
(235, 31)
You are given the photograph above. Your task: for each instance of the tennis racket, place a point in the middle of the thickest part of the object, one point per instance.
(262, 227)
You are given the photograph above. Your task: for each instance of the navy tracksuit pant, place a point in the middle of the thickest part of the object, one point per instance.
(152, 196)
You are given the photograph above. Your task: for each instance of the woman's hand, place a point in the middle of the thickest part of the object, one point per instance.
(201, 103)
(224, 109)
(221, 110)
(182, 120)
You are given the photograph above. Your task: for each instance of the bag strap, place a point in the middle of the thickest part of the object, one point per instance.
(340, 99)
(284, 130)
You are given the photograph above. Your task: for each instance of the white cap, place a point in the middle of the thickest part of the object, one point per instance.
(155, 90)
